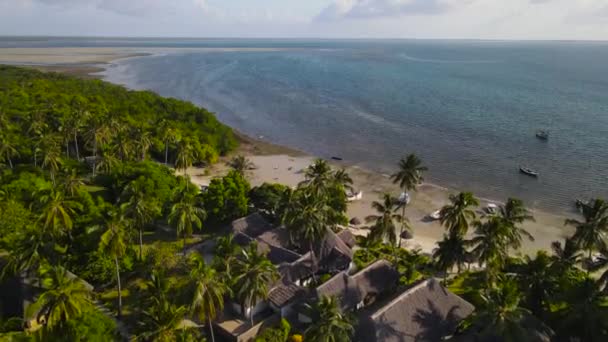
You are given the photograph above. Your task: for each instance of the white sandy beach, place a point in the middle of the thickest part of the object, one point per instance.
(287, 170)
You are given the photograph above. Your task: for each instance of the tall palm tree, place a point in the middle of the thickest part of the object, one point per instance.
(185, 155)
(317, 176)
(538, 279)
(163, 320)
(65, 297)
(185, 216)
(501, 318)
(306, 219)
(255, 276)
(566, 256)
(52, 160)
(513, 214)
(144, 141)
(113, 243)
(209, 291)
(329, 323)
(384, 227)
(585, 318)
(343, 178)
(240, 164)
(56, 211)
(490, 245)
(30, 249)
(408, 176)
(450, 252)
(98, 134)
(108, 162)
(225, 254)
(8, 149)
(72, 183)
(169, 135)
(457, 216)
(139, 208)
(76, 120)
(591, 234)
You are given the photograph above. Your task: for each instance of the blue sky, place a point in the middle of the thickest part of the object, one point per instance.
(477, 19)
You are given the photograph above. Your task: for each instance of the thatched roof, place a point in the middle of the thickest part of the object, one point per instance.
(424, 312)
(252, 225)
(284, 294)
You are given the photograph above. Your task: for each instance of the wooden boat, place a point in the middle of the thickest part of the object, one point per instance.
(336, 158)
(542, 135)
(528, 171)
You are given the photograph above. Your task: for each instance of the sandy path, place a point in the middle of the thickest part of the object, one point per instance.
(287, 170)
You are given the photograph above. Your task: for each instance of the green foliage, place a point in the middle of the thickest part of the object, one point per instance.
(267, 198)
(275, 334)
(226, 198)
(92, 326)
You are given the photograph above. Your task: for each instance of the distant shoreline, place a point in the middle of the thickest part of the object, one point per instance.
(548, 227)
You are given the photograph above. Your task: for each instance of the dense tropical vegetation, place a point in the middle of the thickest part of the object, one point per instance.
(97, 220)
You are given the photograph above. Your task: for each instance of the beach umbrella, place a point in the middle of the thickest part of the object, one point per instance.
(355, 221)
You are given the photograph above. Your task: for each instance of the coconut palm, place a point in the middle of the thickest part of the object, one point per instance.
(408, 176)
(512, 215)
(566, 256)
(72, 183)
(501, 318)
(56, 211)
(539, 282)
(163, 320)
(343, 178)
(113, 243)
(307, 220)
(585, 318)
(591, 234)
(317, 176)
(329, 324)
(225, 252)
(169, 135)
(139, 208)
(255, 275)
(29, 250)
(185, 155)
(52, 160)
(209, 291)
(383, 224)
(490, 245)
(98, 134)
(457, 216)
(8, 149)
(65, 297)
(185, 216)
(450, 252)
(144, 141)
(240, 164)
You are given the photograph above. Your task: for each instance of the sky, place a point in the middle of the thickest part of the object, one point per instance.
(443, 19)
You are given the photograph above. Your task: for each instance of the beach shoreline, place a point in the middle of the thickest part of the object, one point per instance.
(281, 164)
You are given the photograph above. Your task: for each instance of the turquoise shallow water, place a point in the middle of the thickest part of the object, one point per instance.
(468, 108)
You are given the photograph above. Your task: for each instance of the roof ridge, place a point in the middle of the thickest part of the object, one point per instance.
(399, 298)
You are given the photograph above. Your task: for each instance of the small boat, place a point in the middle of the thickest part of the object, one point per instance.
(404, 198)
(542, 135)
(435, 215)
(528, 171)
(491, 208)
(336, 158)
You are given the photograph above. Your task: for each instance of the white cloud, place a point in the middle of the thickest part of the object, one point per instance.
(364, 9)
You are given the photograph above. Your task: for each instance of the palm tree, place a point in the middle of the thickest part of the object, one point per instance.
(343, 178)
(52, 160)
(317, 176)
(56, 211)
(185, 155)
(501, 318)
(7, 149)
(408, 177)
(591, 233)
(209, 291)
(113, 243)
(72, 183)
(306, 220)
(225, 254)
(169, 135)
(144, 141)
(255, 276)
(384, 227)
(108, 162)
(490, 244)
(566, 256)
(329, 323)
(163, 320)
(240, 164)
(457, 216)
(585, 318)
(99, 134)
(512, 214)
(29, 250)
(185, 216)
(450, 252)
(539, 281)
(65, 297)
(139, 208)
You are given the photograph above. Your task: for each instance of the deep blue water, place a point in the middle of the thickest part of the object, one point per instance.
(469, 109)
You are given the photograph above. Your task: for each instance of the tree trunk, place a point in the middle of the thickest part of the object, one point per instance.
(251, 311)
(402, 223)
(184, 245)
(10, 162)
(119, 287)
(94, 155)
(67, 148)
(76, 145)
(141, 243)
(211, 330)
(166, 152)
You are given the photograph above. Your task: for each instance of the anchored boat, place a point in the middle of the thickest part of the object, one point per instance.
(528, 171)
